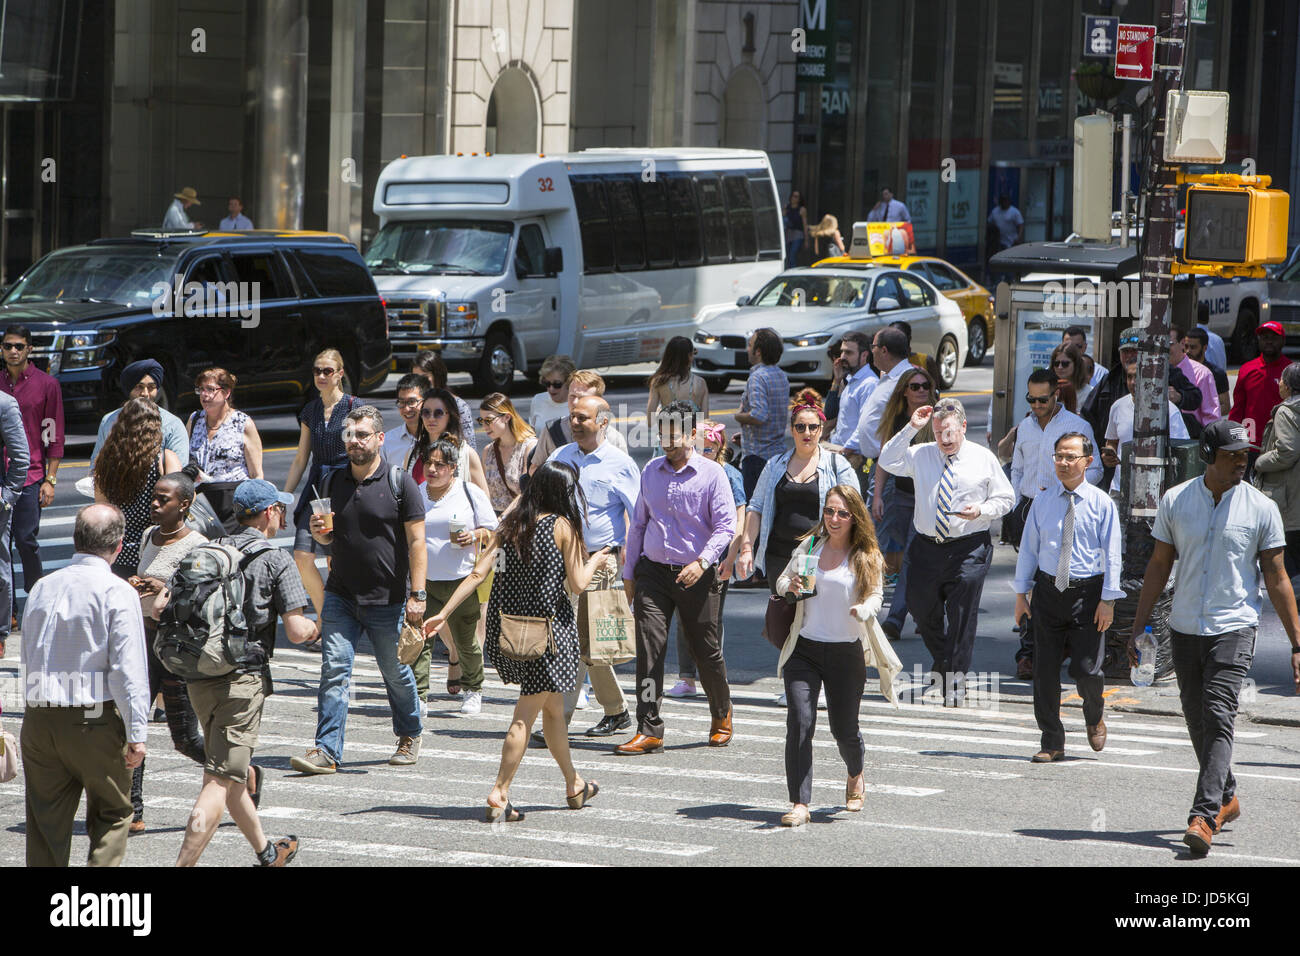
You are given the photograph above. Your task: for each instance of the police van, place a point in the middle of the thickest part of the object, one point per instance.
(498, 261)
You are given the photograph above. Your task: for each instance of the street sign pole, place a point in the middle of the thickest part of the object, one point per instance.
(1151, 411)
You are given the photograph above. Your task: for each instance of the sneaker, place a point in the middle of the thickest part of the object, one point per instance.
(408, 748)
(473, 704)
(682, 689)
(424, 710)
(821, 700)
(582, 699)
(159, 716)
(286, 848)
(780, 701)
(315, 761)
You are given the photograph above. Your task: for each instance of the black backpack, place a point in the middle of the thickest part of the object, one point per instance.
(396, 485)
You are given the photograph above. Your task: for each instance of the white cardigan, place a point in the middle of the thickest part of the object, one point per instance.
(876, 649)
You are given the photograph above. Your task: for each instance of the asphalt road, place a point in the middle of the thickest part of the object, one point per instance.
(944, 787)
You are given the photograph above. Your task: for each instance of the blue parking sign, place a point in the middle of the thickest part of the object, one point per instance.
(1099, 36)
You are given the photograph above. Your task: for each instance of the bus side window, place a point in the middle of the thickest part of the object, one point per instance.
(658, 223)
(593, 223)
(686, 219)
(766, 217)
(625, 214)
(713, 217)
(740, 216)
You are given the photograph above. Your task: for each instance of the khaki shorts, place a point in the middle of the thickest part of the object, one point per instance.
(230, 712)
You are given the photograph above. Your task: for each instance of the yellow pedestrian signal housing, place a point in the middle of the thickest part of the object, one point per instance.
(1234, 227)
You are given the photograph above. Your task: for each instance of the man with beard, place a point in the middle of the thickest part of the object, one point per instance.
(1222, 532)
(376, 526)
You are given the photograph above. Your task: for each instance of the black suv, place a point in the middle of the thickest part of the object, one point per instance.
(261, 304)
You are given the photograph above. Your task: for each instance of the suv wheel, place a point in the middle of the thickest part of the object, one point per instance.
(717, 384)
(496, 370)
(1244, 346)
(947, 358)
(978, 344)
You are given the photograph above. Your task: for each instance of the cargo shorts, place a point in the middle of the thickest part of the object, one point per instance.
(230, 712)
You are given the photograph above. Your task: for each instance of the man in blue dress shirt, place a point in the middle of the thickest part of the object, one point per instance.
(1070, 562)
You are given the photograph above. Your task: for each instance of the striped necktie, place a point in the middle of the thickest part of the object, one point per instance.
(944, 498)
(1067, 545)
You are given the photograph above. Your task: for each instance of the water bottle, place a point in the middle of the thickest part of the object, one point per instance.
(1144, 674)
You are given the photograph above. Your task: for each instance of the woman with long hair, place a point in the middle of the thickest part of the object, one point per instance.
(129, 465)
(224, 443)
(440, 417)
(834, 579)
(541, 552)
(1072, 375)
(674, 381)
(787, 502)
(829, 230)
(894, 524)
(320, 441)
(505, 458)
(430, 365)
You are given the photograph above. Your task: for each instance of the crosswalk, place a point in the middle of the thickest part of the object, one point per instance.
(692, 804)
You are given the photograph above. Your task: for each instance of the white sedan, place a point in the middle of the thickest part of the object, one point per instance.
(811, 309)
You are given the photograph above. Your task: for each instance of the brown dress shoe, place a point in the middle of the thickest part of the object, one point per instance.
(1048, 756)
(1097, 735)
(1227, 813)
(1025, 669)
(1198, 836)
(720, 731)
(640, 744)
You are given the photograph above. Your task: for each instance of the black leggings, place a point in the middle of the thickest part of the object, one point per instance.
(183, 723)
(843, 670)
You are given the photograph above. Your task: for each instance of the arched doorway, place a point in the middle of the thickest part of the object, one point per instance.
(743, 111)
(513, 114)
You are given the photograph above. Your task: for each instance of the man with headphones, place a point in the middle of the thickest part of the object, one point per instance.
(1224, 533)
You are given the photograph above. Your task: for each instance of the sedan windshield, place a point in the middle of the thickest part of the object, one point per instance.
(107, 274)
(440, 247)
(835, 292)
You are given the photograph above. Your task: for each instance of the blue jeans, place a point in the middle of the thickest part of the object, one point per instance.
(345, 621)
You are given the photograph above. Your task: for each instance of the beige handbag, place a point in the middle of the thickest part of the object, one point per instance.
(8, 756)
(525, 638)
(410, 642)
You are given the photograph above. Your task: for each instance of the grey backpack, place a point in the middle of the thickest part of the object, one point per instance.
(203, 631)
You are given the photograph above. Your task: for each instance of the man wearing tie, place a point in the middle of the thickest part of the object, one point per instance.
(1070, 560)
(960, 491)
(888, 209)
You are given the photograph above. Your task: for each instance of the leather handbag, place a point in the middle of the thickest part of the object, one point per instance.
(8, 756)
(525, 638)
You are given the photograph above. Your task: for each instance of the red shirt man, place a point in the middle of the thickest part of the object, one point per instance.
(1256, 393)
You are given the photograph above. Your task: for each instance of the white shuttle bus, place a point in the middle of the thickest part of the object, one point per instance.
(498, 261)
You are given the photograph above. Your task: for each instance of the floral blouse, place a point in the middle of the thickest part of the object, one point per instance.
(504, 489)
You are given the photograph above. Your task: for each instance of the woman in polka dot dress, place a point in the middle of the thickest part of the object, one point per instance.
(541, 549)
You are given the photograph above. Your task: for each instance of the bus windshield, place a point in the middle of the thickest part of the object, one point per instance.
(104, 274)
(836, 292)
(440, 247)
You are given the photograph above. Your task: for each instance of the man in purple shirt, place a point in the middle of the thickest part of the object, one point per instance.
(40, 399)
(1197, 374)
(683, 523)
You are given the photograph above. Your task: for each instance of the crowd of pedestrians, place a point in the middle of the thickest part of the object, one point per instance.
(511, 554)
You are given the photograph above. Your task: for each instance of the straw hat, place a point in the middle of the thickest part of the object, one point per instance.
(188, 193)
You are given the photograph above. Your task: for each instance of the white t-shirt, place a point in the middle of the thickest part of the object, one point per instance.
(543, 411)
(1008, 222)
(1120, 426)
(446, 561)
(826, 615)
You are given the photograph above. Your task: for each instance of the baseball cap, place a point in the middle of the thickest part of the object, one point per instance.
(1131, 337)
(1227, 435)
(1274, 327)
(253, 495)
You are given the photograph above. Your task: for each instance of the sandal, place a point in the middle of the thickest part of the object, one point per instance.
(137, 826)
(853, 801)
(453, 683)
(579, 800)
(495, 813)
(796, 817)
(256, 794)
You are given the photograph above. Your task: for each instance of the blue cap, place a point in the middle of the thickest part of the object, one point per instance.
(254, 495)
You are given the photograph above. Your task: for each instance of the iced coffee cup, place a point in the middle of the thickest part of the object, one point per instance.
(321, 506)
(808, 571)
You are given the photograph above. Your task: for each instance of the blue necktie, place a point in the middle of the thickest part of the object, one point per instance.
(947, 488)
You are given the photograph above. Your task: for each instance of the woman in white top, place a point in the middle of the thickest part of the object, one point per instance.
(458, 522)
(553, 403)
(674, 381)
(834, 639)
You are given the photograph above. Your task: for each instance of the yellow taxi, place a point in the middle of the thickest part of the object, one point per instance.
(974, 300)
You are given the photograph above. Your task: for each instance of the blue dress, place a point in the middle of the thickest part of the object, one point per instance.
(327, 448)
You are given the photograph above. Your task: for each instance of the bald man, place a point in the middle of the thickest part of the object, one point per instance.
(611, 481)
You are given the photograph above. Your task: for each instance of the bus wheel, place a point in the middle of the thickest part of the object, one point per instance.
(496, 370)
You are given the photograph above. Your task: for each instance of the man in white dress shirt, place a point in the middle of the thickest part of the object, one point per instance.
(1119, 427)
(855, 355)
(960, 491)
(87, 694)
(176, 217)
(889, 351)
(888, 209)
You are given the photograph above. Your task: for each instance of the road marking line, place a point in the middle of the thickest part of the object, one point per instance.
(406, 855)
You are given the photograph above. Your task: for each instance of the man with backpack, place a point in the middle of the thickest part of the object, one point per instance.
(377, 543)
(262, 581)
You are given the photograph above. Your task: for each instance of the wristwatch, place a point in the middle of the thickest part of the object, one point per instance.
(52, 479)
(705, 563)
(420, 595)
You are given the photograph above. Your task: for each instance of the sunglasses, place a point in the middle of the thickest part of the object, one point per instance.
(1062, 363)
(553, 386)
(433, 413)
(710, 451)
(485, 422)
(837, 513)
(15, 346)
(1040, 399)
(804, 427)
(919, 386)
(318, 371)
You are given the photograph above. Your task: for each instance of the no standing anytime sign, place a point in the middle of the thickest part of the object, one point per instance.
(1135, 52)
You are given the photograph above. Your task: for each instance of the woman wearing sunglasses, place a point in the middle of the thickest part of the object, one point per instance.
(787, 503)
(439, 417)
(505, 459)
(224, 443)
(552, 403)
(320, 441)
(832, 642)
(1070, 371)
(894, 524)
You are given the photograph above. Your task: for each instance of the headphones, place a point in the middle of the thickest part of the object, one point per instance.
(1206, 452)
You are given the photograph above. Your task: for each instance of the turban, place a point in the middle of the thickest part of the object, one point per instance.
(132, 374)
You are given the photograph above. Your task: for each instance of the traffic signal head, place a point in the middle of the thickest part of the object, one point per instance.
(1238, 225)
